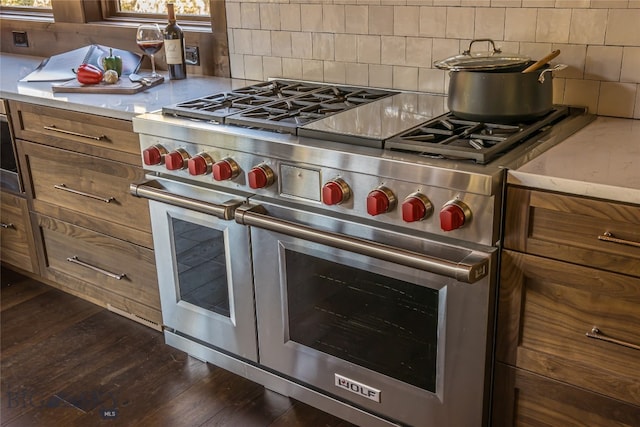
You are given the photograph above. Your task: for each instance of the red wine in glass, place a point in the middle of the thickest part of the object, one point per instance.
(150, 39)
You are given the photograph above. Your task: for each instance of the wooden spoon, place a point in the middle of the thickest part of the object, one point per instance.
(538, 64)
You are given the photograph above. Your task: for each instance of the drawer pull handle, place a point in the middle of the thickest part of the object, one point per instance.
(597, 334)
(608, 237)
(82, 193)
(9, 225)
(69, 132)
(74, 259)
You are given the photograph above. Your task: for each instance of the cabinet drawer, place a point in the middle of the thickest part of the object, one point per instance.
(87, 191)
(570, 228)
(16, 237)
(105, 269)
(85, 133)
(522, 398)
(547, 307)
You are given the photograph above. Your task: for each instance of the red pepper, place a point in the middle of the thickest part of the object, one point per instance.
(88, 74)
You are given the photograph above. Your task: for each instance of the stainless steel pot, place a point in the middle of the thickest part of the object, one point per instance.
(492, 87)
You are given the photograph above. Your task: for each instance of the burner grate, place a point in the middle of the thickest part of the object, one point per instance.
(452, 138)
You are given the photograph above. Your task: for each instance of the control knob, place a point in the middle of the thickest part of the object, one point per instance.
(153, 155)
(260, 176)
(416, 207)
(380, 200)
(335, 192)
(176, 159)
(200, 164)
(453, 215)
(225, 169)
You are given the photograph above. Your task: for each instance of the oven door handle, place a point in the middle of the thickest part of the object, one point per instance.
(150, 190)
(471, 268)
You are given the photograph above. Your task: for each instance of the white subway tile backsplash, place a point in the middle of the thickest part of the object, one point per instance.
(271, 66)
(553, 25)
(405, 78)
(392, 50)
(250, 15)
(381, 20)
(489, 23)
(406, 21)
(253, 67)
(520, 24)
(368, 49)
(346, 48)
(588, 26)
(393, 43)
(419, 52)
(356, 19)
(603, 63)
(312, 70)
(617, 99)
(333, 18)
(311, 17)
(583, 93)
(460, 22)
(269, 16)
(290, 17)
(630, 72)
(433, 21)
(623, 27)
(381, 75)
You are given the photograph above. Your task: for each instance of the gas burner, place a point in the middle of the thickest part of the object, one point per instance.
(452, 138)
(278, 89)
(284, 116)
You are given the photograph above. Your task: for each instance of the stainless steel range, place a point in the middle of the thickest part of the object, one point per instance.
(337, 244)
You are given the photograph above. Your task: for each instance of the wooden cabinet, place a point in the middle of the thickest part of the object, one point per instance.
(568, 334)
(17, 247)
(94, 238)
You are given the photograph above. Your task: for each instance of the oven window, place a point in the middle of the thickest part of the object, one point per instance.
(202, 272)
(378, 322)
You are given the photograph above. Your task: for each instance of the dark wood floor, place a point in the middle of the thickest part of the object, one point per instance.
(68, 362)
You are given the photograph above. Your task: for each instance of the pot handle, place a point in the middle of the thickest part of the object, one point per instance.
(493, 45)
(550, 70)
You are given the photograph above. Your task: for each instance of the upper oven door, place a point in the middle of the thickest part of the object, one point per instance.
(204, 267)
(396, 340)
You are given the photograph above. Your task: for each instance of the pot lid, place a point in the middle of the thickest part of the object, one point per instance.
(478, 61)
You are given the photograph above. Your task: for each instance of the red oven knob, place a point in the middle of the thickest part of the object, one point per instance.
(453, 215)
(416, 207)
(335, 192)
(225, 169)
(380, 200)
(260, 176)
(200, 164)
(176, 159)
(153, 155)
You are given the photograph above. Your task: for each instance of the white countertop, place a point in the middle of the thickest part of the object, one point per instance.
(601, 160)
(15, 67)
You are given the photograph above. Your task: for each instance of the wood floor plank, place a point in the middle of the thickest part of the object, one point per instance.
(67, 362)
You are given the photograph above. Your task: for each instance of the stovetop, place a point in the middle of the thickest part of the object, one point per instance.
(278, 105)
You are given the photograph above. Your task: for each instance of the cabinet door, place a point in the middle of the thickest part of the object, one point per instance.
(100, 268)
(523, 398)
(574, 229)
(547, 308)
(87, 191)
(16, 238)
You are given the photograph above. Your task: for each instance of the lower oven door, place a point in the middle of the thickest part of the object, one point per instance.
(396, 340)
(204, 294)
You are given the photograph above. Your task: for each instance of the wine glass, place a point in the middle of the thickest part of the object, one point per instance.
(150, 39)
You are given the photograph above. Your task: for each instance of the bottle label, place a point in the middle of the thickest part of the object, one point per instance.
(173, 51)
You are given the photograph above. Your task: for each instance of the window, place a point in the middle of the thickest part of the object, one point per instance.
(27, 4)
(190, 9)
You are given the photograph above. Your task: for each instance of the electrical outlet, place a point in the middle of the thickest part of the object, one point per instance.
(191, 55)
(20, 39)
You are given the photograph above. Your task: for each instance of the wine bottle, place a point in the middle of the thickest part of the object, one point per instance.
(174, 47)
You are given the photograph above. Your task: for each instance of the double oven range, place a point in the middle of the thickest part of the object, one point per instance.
(336, 244)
